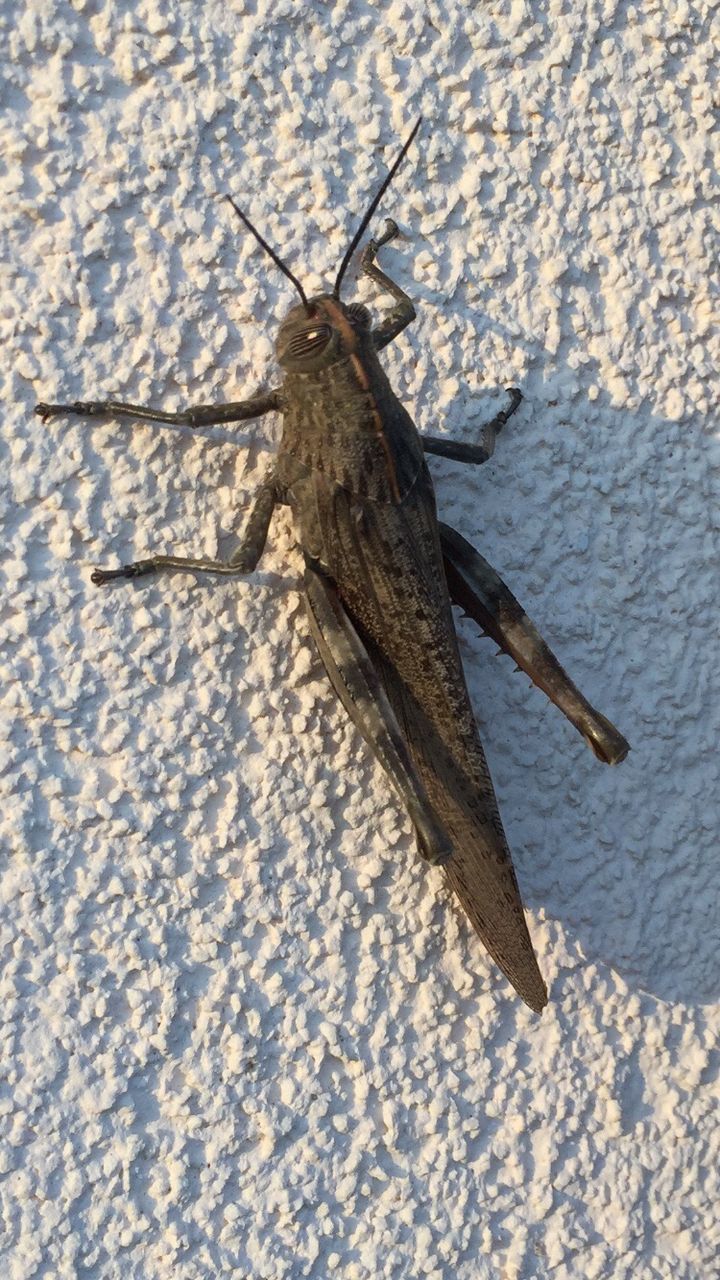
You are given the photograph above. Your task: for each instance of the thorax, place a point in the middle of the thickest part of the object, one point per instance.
(345, 423)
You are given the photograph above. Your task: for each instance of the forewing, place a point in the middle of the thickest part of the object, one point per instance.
(480, 870)
(387, 563)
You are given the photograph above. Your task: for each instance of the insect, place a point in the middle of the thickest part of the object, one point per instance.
(380, 576)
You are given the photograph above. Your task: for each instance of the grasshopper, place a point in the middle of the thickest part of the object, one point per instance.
(380, 576)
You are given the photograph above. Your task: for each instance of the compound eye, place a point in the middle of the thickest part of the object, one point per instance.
(308, 341)
(359, 315)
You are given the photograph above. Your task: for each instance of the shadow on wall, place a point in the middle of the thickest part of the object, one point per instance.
(606, 535)
(601, 521)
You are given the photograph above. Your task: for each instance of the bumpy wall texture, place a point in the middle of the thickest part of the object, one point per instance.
(245, 1031)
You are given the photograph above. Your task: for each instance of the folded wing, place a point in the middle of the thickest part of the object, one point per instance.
(388, 569)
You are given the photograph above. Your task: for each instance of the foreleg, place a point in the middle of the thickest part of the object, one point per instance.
(401, 315)
(202, 415)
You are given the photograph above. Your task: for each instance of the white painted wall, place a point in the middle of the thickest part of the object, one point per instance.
(245, 1032)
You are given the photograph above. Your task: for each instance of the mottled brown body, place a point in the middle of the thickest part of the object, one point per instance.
(380, 573)
(357, 480)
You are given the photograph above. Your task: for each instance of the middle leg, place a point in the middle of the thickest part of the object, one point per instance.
(474, 453)
(244, 559)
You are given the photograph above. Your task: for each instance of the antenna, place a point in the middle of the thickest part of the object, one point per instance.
(275, 257)
(358, 234)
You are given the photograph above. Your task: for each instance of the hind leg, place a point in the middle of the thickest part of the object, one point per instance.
(358, 686)
(481, 592)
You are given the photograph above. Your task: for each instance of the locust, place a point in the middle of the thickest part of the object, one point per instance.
(381, 574)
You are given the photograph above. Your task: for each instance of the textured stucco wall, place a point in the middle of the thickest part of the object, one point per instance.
(245, 1032)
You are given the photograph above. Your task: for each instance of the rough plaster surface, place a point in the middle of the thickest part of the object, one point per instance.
(245, 1032)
